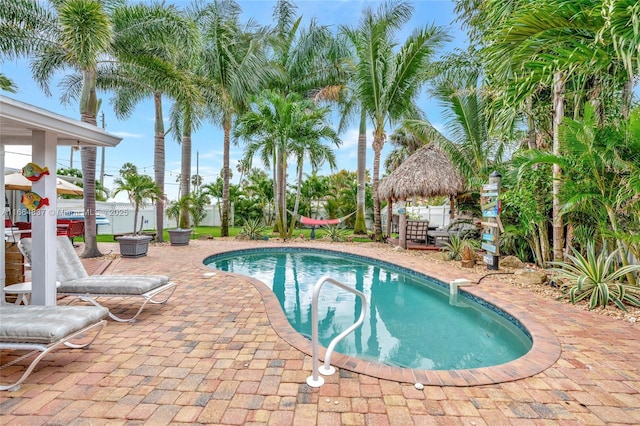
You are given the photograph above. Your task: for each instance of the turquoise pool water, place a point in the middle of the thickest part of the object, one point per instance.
(409, 321)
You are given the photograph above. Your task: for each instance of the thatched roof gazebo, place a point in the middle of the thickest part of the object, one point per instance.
(428, 172)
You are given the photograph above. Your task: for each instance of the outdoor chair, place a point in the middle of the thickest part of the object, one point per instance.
(42, 329)
(70, 228)
(74, 281)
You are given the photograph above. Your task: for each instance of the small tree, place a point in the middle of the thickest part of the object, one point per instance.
(188, 203)
(140, 189)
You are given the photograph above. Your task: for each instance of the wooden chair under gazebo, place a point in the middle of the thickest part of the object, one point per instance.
(426, 173)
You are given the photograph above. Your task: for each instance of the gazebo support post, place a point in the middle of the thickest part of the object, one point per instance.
(452, 208)
(402, 223)
(389, 217)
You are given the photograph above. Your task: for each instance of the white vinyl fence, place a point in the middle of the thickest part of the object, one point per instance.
(120, 216)
(438, 216)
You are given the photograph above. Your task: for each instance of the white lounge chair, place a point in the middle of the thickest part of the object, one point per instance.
(74, 281)
(43, 329)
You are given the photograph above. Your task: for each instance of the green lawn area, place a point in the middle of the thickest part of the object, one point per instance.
(214, 231)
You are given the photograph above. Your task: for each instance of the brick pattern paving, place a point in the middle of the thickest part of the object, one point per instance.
(214, 355)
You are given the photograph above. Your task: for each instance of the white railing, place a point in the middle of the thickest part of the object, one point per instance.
(314, 380)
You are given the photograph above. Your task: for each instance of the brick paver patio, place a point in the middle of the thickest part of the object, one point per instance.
(218, 353)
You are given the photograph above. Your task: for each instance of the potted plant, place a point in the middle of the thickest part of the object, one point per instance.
(181, 210)
(140, 189)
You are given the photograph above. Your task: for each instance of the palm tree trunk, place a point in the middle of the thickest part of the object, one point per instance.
(88, 155)
(282, 180)
(224, 230)
(159, 164)
(378, 142)
(297, 203)
(531, 139)
(185, 173)
(360, 226)
(276, 195)
(559, 79)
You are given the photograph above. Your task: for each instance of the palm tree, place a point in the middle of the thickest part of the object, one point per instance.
(275, 128)
(139, 189)
(59, 36)
(388, 79)
(150, 40)
(563, 45)
(470, 146)
(307, 144)
(234, 64)
(406, 143)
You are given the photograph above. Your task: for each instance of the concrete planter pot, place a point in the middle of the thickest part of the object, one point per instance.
(134, 245)
(179, 236)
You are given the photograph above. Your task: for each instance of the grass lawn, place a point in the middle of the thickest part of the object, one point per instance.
(214, 231)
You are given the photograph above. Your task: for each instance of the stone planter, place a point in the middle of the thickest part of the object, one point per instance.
(134, 245)
(179, 236)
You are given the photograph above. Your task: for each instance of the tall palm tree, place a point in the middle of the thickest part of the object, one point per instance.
(388, 78)
(62, 36)
(277, 127)
(235, 65)
(151, 39)
(561, 45)
(310, 60)
(308, 144)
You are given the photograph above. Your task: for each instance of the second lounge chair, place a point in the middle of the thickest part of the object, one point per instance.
(74, 281)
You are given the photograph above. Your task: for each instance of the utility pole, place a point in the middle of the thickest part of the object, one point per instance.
(103, 151)
(197, 182)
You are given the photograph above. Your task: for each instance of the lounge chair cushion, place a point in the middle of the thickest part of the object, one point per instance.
(134, 285)
(45, 324)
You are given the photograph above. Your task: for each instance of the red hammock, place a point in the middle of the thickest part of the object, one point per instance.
(318, 222)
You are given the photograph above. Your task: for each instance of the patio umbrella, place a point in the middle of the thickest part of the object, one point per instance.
(17, 182)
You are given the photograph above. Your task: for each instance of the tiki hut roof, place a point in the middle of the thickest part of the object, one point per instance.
(428, 172)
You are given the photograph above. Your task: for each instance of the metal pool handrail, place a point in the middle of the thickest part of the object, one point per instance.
(314, 380)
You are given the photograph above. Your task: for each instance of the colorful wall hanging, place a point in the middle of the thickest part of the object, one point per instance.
(33, 201)
(33, 172)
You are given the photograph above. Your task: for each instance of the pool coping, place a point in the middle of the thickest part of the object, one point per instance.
(544, 353)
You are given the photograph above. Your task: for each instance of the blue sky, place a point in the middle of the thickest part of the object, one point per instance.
(137, 131)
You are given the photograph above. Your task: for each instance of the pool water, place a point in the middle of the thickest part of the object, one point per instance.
(409, 321)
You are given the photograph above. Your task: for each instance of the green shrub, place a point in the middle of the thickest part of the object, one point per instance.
(456, 246)
(336, 234)
(252, 230)
(598, 279)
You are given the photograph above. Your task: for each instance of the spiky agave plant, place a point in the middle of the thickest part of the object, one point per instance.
(597, 278)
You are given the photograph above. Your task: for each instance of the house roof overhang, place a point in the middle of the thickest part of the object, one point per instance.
(18, 120)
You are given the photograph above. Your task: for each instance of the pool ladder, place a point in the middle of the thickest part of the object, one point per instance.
(315, 380)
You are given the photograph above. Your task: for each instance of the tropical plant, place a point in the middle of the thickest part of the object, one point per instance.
(598, 279)
(252, 230)
(181, 208)
(59, 36)
(151, 39)
(388, 79)
(140, 189)
(235, 66)
(279, 126)
(336, 233)
(456, 246)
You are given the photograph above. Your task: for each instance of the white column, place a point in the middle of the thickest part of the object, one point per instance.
(3, 273)
(43, 266)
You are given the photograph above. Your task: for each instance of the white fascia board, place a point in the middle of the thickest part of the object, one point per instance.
(18, 120)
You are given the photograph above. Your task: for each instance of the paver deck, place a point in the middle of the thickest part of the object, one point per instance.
(218, 353)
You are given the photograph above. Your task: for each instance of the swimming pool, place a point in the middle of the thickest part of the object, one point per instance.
(409, 321)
